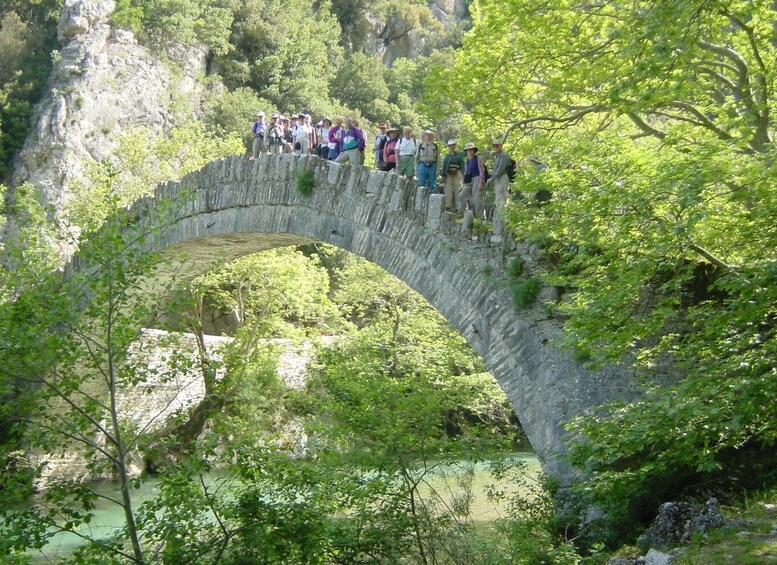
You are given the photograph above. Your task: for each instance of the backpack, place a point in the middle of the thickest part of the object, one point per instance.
(510, 170)
(486, 175)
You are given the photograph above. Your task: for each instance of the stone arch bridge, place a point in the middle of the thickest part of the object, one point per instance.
(233, 207)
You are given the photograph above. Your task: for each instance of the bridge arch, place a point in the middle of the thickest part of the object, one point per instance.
(233, 207)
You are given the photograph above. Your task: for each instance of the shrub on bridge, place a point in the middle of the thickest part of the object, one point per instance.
(305, 181)
(525, 292)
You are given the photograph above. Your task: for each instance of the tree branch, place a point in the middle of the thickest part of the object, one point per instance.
(711, 258)
(647, 130)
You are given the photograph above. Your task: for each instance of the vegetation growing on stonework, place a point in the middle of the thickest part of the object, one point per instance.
(306, 181)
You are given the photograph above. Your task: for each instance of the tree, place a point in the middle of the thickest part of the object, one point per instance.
(277, 293)
(359, 83)
(656, 121)
(66, 342)
(143, 161)
(160, 22)
(285, 51)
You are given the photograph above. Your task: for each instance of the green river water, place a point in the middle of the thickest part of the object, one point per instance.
(108, 516)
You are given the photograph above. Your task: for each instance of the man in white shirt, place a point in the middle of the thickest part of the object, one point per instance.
(301, 136)
(406, 148)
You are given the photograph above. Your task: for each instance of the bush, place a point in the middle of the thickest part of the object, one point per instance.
(515, 268)
(305, 181)
(525, 292)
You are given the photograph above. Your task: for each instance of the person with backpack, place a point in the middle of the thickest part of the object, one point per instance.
(406, 150)
(258, 131)
(390, 150)
(475, 172)
(501, 181)
(452, 172)
(275, 135)
(426, 159)
(378, 144)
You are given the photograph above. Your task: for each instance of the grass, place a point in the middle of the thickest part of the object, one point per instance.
(525, 292)
(305, 181)
(515, 267)
(481, 227)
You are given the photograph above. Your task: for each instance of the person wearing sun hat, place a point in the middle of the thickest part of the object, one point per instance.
(501, 183)
(451, 173)
(390, 150)
(426, 159)
(471, 194)
(275, 134)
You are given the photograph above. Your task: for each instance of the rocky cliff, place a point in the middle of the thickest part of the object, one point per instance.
(102, 83)
(452, 14)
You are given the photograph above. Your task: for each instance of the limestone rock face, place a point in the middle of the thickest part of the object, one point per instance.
(79, 16)
(102, 83)
(453, 14)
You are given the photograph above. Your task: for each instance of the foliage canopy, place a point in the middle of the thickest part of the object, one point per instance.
(656, 119)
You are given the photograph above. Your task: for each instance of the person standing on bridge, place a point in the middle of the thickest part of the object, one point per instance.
(258, 131)
(501, 182)
(335, 138)
(406, 149)
(353, 144)
(390, 150)
(426, 159)
(288, 133)
(322, 131)
(452, 171)
(275, 135)
(471, 194)
(378, 144)
(301, 136)
(312, 136)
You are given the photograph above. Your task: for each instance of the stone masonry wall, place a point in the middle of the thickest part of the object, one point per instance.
(168, 391)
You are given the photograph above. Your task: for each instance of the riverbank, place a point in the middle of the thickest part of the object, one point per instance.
(449, 483)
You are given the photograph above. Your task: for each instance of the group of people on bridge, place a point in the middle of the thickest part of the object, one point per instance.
(461, 175)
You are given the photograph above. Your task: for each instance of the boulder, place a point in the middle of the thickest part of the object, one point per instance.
(708, 518)
(668, 528)
(655, 557)
(677, 522)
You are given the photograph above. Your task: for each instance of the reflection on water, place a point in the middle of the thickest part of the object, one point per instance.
(444, 481)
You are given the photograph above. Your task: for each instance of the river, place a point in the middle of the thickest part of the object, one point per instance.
(444, 480)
